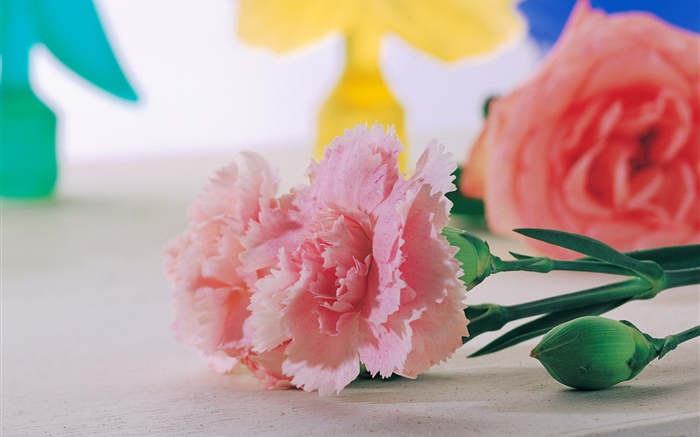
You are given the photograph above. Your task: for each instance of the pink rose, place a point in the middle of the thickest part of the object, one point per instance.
(213, 284)
(603, 140)
(372, 280)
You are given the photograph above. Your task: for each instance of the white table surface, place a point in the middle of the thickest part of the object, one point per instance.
(87, 350)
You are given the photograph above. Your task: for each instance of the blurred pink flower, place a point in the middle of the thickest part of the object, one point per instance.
(603, 140)
(213, 285)
(372, 280)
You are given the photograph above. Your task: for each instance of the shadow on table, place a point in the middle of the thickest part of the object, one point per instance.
(664, 385)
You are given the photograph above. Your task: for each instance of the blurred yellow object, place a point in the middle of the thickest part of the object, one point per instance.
(446, 29)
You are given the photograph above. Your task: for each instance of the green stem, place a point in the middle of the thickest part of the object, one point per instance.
(679, 278)
(558, 309)
(669, 258)
(688, 334)
(520, 265)
(627, 289)
(670, 342)
(546, 265)
(538, 326)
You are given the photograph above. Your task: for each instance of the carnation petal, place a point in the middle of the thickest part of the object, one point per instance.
(276, 228)
(219, 197)
(269, 300)
(221, 362)
(383, 348)
(435, 168)
(258, 185)
(208, 319)
(358, 170)
(322, 362)
(268, 367)
(213, 288)
(433, 174)
(384, 282)
(431, 271)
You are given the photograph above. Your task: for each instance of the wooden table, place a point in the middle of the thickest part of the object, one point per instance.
(86, 346)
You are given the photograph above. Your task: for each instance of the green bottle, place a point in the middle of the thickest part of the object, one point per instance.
(72, 31)
(28, 134)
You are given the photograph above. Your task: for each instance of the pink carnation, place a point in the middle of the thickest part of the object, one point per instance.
(372, 280)
(213, 285)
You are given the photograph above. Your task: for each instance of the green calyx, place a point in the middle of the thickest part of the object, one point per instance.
(474, 254)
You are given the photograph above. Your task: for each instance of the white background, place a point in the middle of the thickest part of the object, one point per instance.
(203, 90)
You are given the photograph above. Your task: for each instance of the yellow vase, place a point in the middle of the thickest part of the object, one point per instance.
(361, 96)
(446, 29)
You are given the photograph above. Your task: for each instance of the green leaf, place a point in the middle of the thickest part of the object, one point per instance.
(487, 103)
(671, 257)
(520, 256)
(593, 248)
(542, 325)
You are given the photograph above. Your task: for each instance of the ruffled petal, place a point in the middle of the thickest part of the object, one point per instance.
(318, 361)
(269, 300)
(358, 170)
(431, 271)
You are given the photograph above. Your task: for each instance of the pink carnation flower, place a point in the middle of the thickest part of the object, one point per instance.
(213, 284)
(372, 280)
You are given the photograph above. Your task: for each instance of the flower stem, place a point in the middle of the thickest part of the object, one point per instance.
(670, 342)
(669, 258)
(688, 334)
(633, 288)
(679, 278)
(648, 273)
(546, 265)
(627, 289)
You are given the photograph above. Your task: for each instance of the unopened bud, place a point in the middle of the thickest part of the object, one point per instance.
(474, 254)
(594, 352)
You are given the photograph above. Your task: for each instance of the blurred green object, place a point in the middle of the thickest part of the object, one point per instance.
(469, 210)
(72, 31)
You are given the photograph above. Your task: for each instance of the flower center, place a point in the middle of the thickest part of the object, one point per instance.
(345, 250)
(642, 157)
(639, 145)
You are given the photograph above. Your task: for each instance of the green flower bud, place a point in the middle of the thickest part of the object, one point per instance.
(474, 254)
(593, 352)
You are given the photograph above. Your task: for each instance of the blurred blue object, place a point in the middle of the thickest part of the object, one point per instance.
(72, 31)
(547, 17)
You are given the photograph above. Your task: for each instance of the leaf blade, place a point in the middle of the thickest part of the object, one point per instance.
(542, 325)
(595, 249)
